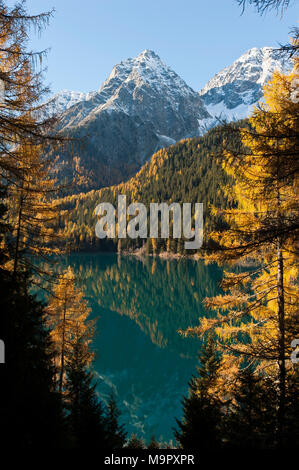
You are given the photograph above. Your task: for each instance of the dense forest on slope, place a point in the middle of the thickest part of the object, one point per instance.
(87, 165)
(189, 171)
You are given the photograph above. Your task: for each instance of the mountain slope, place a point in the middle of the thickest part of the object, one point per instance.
(233, 92)
(189, 171)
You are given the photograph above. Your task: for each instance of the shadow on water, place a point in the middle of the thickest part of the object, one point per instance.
(140, 305)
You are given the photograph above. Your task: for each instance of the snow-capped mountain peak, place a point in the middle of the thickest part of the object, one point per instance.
(256, 65)
(130, 82)
(145, 89)
(233, 91)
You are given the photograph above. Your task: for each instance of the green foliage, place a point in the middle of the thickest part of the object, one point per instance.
(115, 433)
(251, 419)
(199, 428)
(86, 414)
(243, 416)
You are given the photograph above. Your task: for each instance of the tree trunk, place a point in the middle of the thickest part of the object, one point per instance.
(62, 347)
(281, 344)
(16, 260)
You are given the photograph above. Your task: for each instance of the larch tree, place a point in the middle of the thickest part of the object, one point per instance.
(32, 214)
(278, 6)
(257, 316)
(22, 91)
(264, 5)
(32, 412)
(25, 134)
(68, 313)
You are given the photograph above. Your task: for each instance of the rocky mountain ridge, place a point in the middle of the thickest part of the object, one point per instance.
(144, 105)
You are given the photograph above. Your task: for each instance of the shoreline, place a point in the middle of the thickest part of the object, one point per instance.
(163, 255)
(141, 254)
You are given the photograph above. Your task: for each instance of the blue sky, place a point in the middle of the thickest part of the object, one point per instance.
(197, 38)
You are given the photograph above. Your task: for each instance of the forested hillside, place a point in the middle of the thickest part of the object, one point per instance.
(189, 171)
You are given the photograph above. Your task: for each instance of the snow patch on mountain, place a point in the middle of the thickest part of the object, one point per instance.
(256, 65)
(64, 100)
(147, 89)
(232, 93)
(165, 141)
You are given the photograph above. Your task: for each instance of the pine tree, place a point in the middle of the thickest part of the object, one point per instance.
(114, 432)
(200, 427)
(153, 444)
(135, 442)
(85, 411)
(250, 420)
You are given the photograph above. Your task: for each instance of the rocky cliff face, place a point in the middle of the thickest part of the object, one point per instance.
(141, 107)
(144, 105)
(233, 92)
(149, 92)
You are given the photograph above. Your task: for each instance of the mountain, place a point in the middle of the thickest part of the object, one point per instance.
(148, 90)
(232, 92)
(141, 107)
(144, 106)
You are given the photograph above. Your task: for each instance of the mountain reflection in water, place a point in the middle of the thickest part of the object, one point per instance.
(140, 305)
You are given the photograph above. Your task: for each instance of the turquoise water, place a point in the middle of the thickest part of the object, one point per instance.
(140, 304)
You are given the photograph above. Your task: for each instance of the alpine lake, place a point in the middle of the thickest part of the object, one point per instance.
(140, 304)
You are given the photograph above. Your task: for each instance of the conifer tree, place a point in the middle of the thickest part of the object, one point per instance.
(292, 409)
(32, 214)
(85, 411)
(25, 133)
(31, 411)
(200, 427)
(250, 419)
(153, 444)
(115, 433)
(257, 317)
(135, 442)
(265, 5)
(67, 317)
